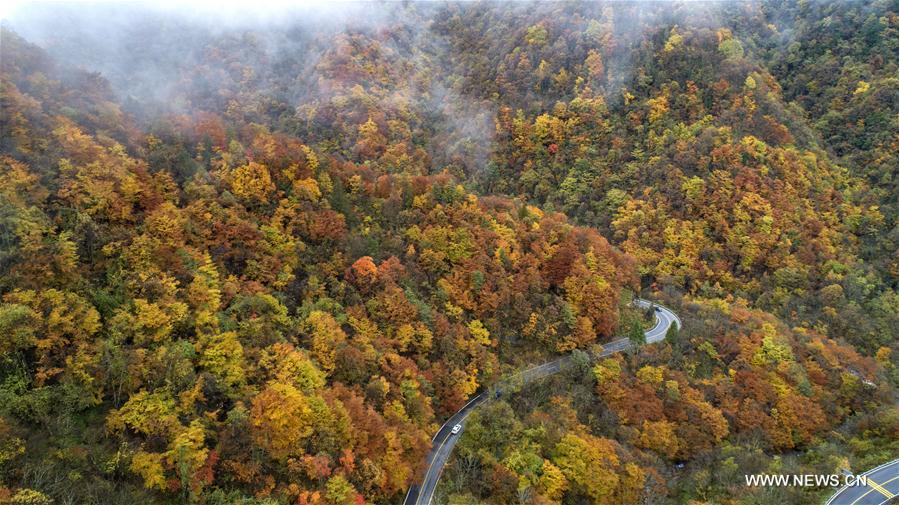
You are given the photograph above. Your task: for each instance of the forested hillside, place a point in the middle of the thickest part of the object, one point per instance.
(261, 260)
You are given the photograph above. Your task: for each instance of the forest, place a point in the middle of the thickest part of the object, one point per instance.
(259, 258)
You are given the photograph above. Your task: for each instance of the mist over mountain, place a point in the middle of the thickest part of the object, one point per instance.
(260, 254)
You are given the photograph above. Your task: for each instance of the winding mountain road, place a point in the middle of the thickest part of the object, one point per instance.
(445, 440)
(882, 486)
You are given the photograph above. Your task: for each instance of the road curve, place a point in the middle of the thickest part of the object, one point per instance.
(883, 486)
(444, 440)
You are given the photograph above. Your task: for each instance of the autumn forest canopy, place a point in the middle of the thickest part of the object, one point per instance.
(259, 256)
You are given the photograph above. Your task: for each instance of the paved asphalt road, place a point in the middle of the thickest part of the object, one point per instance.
(444, 440)
(883, 486)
